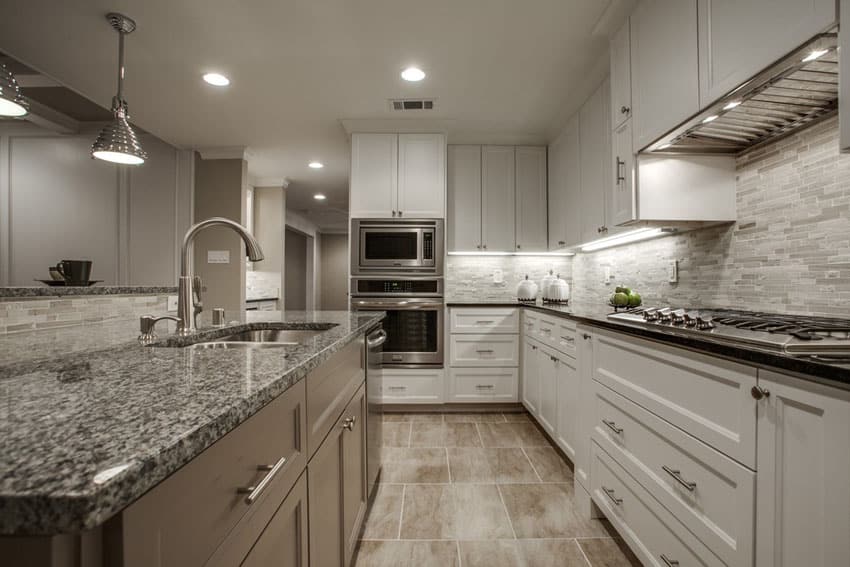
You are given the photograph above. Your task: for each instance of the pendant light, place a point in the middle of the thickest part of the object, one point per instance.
(12, 102)
(117, 141)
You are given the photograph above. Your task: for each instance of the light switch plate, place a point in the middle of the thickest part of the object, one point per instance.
(607, 277)
(673, 271)
(172, 303)
(218, 256)
(498, 276)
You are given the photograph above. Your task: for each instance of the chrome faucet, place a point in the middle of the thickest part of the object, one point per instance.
(189, 288)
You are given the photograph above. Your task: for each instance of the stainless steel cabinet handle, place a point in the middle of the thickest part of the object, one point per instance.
(393, 213)
(485, 247)
(625, 110)
(669, 562)
(613, 426)
(254, 492)
(484, 350)
(621, 165)
(398, 388)
(485, 386)
(349, 422)
(553, 358)
(533, 347)
(677, 475)
(609, 492)
(758, 392)
(484, 322)
(568, 339)
(478, 246)
(586, 337)
(518, 247)
(561, 243)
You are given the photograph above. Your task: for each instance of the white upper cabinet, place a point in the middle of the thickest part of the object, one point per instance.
(398, 175)
(530, 199)
(665, 73)
(421, 175)
(621, 77)
(374, 175)
(739, 38)
(622, 206)
(595, 137)
(497, 198)
(464, 198)
(565, 187)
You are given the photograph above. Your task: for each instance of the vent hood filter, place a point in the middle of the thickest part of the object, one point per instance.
(797, 91)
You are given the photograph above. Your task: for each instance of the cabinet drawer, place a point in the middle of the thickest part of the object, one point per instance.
(484, 350)
(329, 388)
(530, 321)
(705, 396)
(650, 530)
(565, 337)
(709, 493)
(412, 386)
(184, 519)
(484, 384)
(489, 320)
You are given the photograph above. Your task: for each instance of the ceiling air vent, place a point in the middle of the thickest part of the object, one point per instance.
(405, 104)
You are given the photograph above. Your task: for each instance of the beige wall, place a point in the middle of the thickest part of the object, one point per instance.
(334, 271)
(269, 210)
(295, 286)
(220, 191)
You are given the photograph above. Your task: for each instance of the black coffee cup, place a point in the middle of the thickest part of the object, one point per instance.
(75, 272)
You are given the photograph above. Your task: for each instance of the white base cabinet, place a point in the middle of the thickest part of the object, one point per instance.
(413, 386)
(803, 491)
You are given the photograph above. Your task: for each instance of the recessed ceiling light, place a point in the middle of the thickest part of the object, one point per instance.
(413, 74)
(708, 119)
(731, 105)
(315, 165)
(216, 79)
(814, 55)
(319, 197)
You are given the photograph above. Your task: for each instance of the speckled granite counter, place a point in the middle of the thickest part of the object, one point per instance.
(90, 420)
(13, 293)
(835, 374)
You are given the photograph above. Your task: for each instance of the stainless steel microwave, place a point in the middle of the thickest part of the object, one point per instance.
(396, 246)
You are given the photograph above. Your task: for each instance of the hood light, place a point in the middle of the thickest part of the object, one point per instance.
(731, 105)
(815, 55)
(708, 119)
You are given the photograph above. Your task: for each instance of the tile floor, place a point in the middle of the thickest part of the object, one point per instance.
(482, 489)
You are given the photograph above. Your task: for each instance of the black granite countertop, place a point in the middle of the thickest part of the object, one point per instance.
(7, 293)
(90, 419)
(836, 374)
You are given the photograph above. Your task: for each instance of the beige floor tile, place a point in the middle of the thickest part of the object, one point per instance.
(423, 416)
(608, 553)
(407, 553)
(549, 464)
(397, 417)
(385, 514)
(396, 434)
(474, 417)
(500, 553)
(490, 465)
(440, 511)
(414, 465)
(511, 435)
(517, 417)
(547, 511)
(445, 435)
(427, 434)
(522, 553)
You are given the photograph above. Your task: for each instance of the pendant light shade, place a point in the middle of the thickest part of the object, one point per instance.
(117, 142)
(12, 102)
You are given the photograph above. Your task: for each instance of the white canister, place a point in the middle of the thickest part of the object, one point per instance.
(526, 290)
(544, 284)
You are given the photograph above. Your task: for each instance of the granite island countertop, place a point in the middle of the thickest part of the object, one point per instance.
(835, 374)
(90, 419)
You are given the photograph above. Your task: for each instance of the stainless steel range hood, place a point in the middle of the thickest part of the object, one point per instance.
(798, 90)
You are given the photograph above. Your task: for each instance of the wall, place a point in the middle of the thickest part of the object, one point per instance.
(334, 271)
(304, 226)
(220, 191)
(57, 203)
(269, 210)
(295, 281)
(470, 278)
(789, 251)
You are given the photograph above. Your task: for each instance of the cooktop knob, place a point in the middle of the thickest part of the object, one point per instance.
(665, 315)
(678, 317)
(650, 314)
(691, 319)
(704, 323)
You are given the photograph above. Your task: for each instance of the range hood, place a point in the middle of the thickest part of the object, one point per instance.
(798, 90)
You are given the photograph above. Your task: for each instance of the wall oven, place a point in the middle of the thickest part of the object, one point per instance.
(413, 246)
(414, 323)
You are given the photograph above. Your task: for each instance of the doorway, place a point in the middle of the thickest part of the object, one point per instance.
(298, 270)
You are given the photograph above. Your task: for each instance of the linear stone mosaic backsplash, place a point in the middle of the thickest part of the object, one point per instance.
(470, 278)
(33, 314)
(789, 252)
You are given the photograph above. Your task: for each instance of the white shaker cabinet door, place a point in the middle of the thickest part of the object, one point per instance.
(464, 198)
(531, 377)
(621, 77)
(530, 198)
(421, 175)
(564, 187)
(623, 205)
(497, 201)
(374, 175)
(595, 153)
(803, 488)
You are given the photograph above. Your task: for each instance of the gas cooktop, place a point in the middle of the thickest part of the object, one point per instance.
(821, 338)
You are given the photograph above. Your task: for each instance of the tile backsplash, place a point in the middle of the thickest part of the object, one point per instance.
(789, 252)
(470, 278)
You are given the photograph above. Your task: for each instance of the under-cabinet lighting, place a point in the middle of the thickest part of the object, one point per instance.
(708, 119)
(814, 55)
(731, 105)
(479, 253)
(625, 238)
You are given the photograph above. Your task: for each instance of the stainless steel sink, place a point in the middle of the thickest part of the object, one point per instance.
(222, 345)
(274, 336)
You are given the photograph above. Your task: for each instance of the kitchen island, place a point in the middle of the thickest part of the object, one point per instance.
(92, 420)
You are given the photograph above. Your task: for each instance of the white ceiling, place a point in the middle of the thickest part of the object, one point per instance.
(503, 71)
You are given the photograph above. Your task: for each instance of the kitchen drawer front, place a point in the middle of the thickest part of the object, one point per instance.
(719, 507)
(707, 397)
(565, 337)
(412, 386)
(530, 321)
(650, 530)
(329, 388)
(183, 519)
(483, 385)
(547, 330)
(484, 320)
(484, 350)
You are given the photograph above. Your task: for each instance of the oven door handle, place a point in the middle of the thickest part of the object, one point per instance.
(380, 338)
(398, 305)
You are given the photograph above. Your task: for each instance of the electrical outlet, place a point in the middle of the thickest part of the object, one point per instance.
(673, 271)
(498, 276)
(607, 276)
(172, 303)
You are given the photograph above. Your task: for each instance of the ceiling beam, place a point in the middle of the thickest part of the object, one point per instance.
(53, 120)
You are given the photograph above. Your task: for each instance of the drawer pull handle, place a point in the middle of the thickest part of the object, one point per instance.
(484, 322)
(398, 388)
(254, 492)
(484, 350)
(669, 562)
(609, 492)
(348, 423)
(485, 386)
(568, 339)
(585, 336)
(691, 486)
(613, 426)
